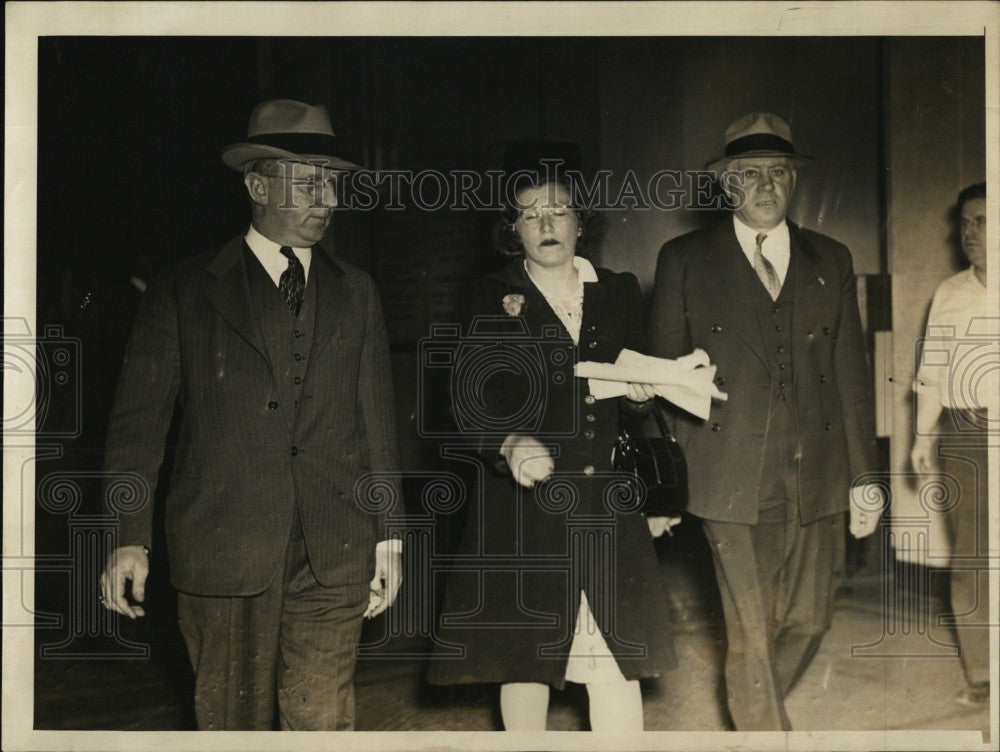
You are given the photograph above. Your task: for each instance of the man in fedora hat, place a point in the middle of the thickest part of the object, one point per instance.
(772, 470)
(277, 358)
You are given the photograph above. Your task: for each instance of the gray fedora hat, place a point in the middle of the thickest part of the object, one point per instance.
(286, 129)
(759, 134)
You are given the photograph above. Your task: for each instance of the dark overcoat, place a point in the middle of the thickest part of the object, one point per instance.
(514, 591)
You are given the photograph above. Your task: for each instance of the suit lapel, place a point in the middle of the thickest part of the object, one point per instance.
(723, 270)
(334, 298)
(229, 293)
(808, 284)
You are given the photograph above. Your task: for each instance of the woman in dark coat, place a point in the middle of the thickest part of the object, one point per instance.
(556, 578)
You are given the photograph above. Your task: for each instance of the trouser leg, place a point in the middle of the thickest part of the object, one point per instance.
(966, 465)
(233, 644)
(755, 698)
(320, 630)
(804, 592)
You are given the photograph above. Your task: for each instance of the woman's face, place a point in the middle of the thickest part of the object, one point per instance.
(547, 226)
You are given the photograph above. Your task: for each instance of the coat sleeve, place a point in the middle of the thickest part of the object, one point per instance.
(141, 414)
(853, 375)
(667, 331)
(377, 399)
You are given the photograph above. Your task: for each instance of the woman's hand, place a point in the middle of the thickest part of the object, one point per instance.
(640, 392)
(660, 525)
(528, 459)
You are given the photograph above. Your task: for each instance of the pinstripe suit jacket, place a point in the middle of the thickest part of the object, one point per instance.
(241, 464)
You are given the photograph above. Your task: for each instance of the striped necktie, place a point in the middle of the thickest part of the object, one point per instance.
(765, 269)
(293, 280)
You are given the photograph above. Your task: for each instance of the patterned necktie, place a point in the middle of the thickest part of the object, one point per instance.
(293, 280)
(765, 269)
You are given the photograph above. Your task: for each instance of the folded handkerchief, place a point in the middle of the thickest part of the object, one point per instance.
(688, 382)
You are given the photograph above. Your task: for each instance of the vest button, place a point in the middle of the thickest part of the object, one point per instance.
(591, 345)
(588, 434)
(272, 405)
(779, 328)
(781, 385)
(298, 356)
(775, 309)
(826, 330)
(590, 399)
(297, 379)
(588, 470)
(716, 427)
(828, 426)
(296, 333)
(781, 366)
(592, 328)
(716, 328)
(720, 381)
(294, 451)
(822, 378)
(781, 348)
(591, 418)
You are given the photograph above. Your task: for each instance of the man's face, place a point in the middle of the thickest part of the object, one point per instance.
(972, 226)
(768, 183)
(296, 205)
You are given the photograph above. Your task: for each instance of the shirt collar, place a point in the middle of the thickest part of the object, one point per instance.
(585, 271)
(777, 237)
(269, 254)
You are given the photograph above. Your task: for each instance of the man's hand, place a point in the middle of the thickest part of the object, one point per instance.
(660, 525)
(125, 563)
(529, 461)
(385, 585)
(924, 455)
(866, 505)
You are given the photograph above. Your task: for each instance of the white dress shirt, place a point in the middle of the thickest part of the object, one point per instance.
(776, 248)
(269, 254)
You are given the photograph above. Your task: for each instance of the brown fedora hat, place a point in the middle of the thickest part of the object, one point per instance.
(759, 134)
(286, 129)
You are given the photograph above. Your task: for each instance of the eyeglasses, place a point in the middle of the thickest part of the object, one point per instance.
(556, 213)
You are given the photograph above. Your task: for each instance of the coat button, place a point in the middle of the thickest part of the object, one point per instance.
(716, 427)
(828, 426)
(716, 328)
(781, 385)
(297, 379)
(720, 381)
(592, 328)
(588, 434)
(588, 470)
(775, 308)
(826, 330)
(591, 345)
(272, 405)
(781, 366)
(591, 417)
(781, 348)
(590, 399)
(298, 356)
(294, 451)
(297, 333)
(822, 378)
(779, 328)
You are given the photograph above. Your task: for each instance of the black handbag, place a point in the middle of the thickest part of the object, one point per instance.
(658, 464)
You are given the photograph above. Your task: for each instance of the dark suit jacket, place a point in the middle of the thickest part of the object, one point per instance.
(699, 300)
(241, 463)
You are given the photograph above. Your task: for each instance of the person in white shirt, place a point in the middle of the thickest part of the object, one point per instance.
(956, 393)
